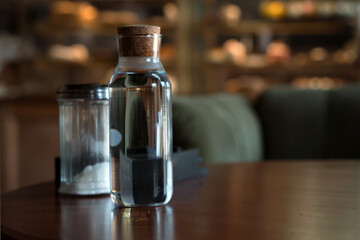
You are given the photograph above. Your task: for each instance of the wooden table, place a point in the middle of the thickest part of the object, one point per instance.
(268, 200)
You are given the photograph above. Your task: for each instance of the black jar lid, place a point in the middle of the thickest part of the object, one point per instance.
(93, 91)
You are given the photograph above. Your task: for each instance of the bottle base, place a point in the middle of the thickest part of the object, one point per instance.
(118, 202)
(138, 205)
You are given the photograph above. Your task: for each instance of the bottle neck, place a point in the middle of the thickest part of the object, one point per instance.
(139, 52)
(139, 63)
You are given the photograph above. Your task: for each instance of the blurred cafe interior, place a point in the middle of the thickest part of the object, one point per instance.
(209, 47)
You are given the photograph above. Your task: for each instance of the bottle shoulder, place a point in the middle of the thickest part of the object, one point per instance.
(139, 78)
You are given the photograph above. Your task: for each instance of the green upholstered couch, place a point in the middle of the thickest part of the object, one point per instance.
(284, 123)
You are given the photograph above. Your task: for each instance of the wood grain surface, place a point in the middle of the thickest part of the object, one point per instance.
(267, 200)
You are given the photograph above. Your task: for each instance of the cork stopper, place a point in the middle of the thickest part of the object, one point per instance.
(138, 30)
(139, 41)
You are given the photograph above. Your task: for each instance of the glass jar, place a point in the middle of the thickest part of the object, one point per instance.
(140, 121)
(84, 139)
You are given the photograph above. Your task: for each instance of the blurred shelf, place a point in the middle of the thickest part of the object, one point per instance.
(111, 3)
(97, 29)
(46, 62)
(311, 27)
(134, 3)
(59, 63)
(289, 68)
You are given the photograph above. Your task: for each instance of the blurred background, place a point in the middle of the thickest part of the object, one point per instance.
(208, 46)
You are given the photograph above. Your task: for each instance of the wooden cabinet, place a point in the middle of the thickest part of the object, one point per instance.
(29, 140)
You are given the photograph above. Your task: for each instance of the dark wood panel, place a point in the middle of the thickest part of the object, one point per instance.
(29, 137)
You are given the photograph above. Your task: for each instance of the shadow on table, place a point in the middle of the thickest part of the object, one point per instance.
(100, 220)
(141, 223)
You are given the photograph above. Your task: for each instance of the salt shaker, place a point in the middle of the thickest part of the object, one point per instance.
(84, 139)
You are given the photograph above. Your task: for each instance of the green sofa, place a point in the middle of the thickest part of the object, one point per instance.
(284, 123)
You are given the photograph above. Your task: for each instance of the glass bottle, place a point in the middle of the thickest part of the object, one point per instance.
(140, 121)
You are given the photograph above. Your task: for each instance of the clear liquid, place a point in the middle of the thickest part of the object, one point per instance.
(140, 138)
